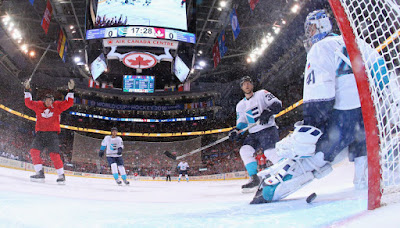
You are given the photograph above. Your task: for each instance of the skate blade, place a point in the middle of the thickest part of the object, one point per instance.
(249, 190)
(61, 182)
(37, 180)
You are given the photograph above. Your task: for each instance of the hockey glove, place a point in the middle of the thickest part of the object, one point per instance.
(71, 85)
(300, 144)
(101, 153)
(265, 115)
(234, 135)
(27, 85)
(119, 151)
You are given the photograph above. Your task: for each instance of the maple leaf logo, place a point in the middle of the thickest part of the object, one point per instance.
(139, 61)
(47, 114)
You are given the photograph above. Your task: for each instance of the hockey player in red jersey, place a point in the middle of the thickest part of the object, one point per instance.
(47, 129)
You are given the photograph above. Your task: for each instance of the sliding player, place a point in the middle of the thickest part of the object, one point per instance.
(331, 112)
(113, 146)
(260, 105)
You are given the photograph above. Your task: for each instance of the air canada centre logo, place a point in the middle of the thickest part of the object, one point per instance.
(139, 60)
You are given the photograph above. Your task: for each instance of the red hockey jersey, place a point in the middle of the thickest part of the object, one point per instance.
(48, 118)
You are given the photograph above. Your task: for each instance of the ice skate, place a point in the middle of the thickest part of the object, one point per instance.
(38, 177)
(252, 185)
(126, 182)
(118, 182)
(61, 179)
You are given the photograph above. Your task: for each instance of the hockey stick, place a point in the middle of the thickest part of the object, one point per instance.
(38, 63)
(168, 154)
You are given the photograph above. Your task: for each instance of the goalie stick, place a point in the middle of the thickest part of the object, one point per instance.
(168, 154)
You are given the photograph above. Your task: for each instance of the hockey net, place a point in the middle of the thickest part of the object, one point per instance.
(375, 25)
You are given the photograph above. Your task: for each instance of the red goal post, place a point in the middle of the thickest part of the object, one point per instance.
(377, 24)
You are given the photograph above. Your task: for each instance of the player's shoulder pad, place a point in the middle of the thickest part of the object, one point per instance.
(240, 105)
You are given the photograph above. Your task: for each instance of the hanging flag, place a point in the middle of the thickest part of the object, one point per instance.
(31, 1)
(94, 84)
(61, 43)
(221, 44)
(216, 55)
(253, 4)
(235, 24)
(46, 17)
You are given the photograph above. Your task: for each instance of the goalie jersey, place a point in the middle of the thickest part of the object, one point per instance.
(248, 111)
(329, 82)
(112, 145)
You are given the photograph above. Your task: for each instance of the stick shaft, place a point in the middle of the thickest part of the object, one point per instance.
(214, 143)
(40, 60)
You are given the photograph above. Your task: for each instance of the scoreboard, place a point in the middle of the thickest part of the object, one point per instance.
(138, 84)
(142, 32)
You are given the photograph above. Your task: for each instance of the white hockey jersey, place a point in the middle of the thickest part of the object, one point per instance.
(328, 76)
(249, 110)
(183, 166)
(112, 145)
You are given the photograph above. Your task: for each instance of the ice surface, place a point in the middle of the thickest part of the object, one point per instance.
(89, 202)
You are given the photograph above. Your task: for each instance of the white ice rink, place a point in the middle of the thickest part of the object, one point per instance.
(88, 202)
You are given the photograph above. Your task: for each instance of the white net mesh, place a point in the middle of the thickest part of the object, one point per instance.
(376, 25)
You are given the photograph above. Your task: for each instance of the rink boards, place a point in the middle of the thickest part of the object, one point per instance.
(14, 164)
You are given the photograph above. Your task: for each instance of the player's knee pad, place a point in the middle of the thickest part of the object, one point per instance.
(114, 168)
(271, 155)
(246, 153)
(121, 169)
(35, 154)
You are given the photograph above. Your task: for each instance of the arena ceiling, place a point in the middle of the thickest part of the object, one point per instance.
(206, 18)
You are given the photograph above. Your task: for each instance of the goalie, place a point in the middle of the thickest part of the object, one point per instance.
(332, 118)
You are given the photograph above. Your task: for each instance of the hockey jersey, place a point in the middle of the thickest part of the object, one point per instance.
(111, 145)
(248, 111)
(48, 118)
(183, 166)
(329, 82)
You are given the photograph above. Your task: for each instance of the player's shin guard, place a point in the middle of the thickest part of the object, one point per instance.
(179, 178)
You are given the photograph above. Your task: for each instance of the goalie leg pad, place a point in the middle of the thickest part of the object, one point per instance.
(301, 143)
(290, 185)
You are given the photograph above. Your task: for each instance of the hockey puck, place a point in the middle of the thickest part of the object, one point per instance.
(311, 197)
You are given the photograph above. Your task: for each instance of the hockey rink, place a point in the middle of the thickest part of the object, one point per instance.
(89, 202)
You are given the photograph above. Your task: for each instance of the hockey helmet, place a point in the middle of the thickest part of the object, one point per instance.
(49, 96)
(114, 129)
(245, 79)
(316, 27)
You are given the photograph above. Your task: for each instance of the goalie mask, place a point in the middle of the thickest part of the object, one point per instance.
(317, 26)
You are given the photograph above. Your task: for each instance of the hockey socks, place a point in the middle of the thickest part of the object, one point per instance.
(58, 164)
(36, 159)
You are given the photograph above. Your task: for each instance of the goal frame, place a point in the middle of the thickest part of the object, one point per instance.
(367, 106)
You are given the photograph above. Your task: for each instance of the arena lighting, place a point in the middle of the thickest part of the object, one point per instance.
(219, 9)
(222, 3)
(202, 63)
(295, 8)
(200, 52)
(71, 27)
(248, 60)
(24, 47)
(77, 59)
(32, 54)
(192, 71)
(209, 32)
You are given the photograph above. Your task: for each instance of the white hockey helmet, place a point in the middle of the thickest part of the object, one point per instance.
(244, 79)
(316, 27)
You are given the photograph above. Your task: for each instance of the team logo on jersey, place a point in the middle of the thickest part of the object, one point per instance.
(308, 66)
(47, 114)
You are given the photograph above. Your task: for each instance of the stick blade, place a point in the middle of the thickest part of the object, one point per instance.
(168, 154)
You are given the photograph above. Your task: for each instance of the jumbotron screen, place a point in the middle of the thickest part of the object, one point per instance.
(138, 84)
(158, 13)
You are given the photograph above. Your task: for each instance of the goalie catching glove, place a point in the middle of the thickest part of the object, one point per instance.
(301, 143)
